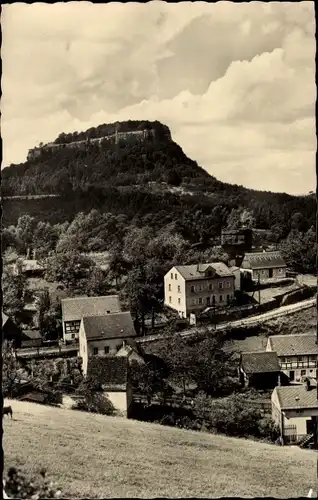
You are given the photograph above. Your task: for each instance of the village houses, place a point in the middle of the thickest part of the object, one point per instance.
(297, 355)
(292, 410)
(74, 309)
(264, 266)
(103, 336)
(193, 288)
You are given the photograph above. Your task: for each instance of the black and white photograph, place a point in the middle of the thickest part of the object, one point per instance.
(159, 250)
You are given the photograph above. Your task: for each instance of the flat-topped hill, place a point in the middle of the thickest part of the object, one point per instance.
(92, 456)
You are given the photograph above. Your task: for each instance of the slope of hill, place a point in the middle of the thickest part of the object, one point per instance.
(91, 456)
(135, 175)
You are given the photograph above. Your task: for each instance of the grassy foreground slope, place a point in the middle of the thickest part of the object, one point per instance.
(92, 456)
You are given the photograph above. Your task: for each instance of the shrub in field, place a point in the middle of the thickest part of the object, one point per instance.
(18, 485)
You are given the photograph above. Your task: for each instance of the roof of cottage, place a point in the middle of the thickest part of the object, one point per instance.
(293, 397)
(196, 271)
(4, 319)
(76, 308)
(116, 325)
(263, 260)
(110, 372)
(259, 362)
(31, 335)
(294, 344)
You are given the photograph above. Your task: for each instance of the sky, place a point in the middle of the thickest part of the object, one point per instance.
(235, 83)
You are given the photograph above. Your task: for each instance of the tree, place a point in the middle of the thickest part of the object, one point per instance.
(11, 370)
(147, 379)
(97, 283)
(13, 290)
(93, 398)
(71, 269)
(44, 239)
(174, 178)
(118, 266)
(25, 230)
(300, 252)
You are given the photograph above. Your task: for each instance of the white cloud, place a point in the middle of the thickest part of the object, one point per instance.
(234, 82)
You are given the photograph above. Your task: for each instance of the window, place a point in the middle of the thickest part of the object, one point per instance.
(210, 286)
(200, 300)
(179, 301)
(302, 373)
(300, 358)
(169, 288)
(118, 346)
(170, 300)
(228, 298)
(108, 312)
(179, 289)
(72, 326)
(313, 358)
(228, 284)
(106, 349)
(73, 335)
(171, 275)
(221, 298)
(221, 285)
(175, 276)
(283, 359)
(95, 351)
(192, 288)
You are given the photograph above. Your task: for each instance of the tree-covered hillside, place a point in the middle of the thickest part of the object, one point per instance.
(150, 179)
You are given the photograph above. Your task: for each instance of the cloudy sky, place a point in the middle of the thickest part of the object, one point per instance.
(234, 82)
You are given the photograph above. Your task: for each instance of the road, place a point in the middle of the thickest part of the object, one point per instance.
(24, 353)
(251, 321)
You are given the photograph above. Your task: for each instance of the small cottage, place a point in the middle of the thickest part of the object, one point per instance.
(112, 374)
(264, 266)
(260, 370)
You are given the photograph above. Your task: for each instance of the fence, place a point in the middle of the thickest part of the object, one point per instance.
(290, 434)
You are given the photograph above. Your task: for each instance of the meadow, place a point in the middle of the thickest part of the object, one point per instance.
(92, 456)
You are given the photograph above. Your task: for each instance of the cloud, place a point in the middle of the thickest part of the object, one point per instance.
(234, 82)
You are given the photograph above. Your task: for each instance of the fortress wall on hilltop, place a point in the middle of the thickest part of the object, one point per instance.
(51, 146)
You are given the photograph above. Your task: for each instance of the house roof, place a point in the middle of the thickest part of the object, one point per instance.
(78, 307)
(110, 372)
(260, 362)
(196, 271)
(130, 353)
(4, 319)
(116, 325)
(31, 335)
(263, 260)
(294, 345)
(287, 397)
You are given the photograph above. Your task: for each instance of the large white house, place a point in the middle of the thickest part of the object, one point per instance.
(193, 288)
(297, 355)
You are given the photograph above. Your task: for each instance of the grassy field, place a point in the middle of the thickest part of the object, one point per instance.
(92, 456)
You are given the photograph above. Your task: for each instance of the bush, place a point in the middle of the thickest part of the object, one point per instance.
(18, 485)
(95, 402)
